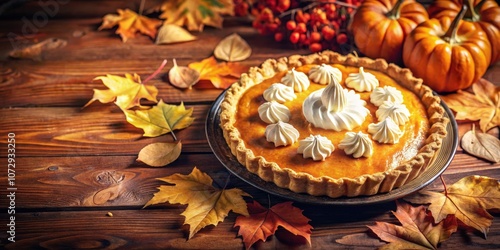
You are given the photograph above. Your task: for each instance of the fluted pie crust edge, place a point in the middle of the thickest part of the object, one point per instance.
(300, 182)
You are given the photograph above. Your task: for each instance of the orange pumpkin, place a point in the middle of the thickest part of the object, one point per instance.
(448, 54)
(379, 27)
(484, 13)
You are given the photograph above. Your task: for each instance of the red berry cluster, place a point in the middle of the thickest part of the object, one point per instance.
(317, 25)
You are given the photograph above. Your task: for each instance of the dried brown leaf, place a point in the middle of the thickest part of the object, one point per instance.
(35, 51)
(160, 154)
(182, 76)
(482, 145)
(171, 33)
(232, 48)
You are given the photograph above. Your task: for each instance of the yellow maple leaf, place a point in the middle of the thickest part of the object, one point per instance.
(194, 14)
(207, 205)
(467, 199)
(482, 106)
(127, 91)
(160, 119)
(129, 23)
(220, 75)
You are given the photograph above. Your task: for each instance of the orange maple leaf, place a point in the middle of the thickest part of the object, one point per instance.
(482, 106)
(129, 23)
(220, 75)
(417, 230)
(264, 222)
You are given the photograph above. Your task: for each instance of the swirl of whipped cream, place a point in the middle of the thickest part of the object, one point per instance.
(321, 74)
(386, 131)
(272, 112)
(357, 144)
(279, 93)
(281, 134)
(296, 79)
(335, 108)
(316, 147)
(386, 93)
(361, 81)
(397, 111)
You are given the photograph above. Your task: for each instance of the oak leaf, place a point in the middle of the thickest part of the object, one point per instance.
(417, 230)
(206, 205)
(483, 105)
(195, 14)
(232, 48)
(219, 75)
(467, 199)
(264, 222)
(160, 119)
(160, 153)
(129, 23)
(127, 91)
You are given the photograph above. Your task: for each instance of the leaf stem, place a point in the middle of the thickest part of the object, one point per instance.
(156, 71)
(444, 185)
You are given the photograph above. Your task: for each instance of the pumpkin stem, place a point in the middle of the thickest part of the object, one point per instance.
(451, 33)
(472, 13)
(395, 11)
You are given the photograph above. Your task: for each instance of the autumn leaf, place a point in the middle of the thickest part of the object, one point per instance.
(482, 106)
(467, 199)
(263, 222)
(417, 230)
(161, 118)
(481, 145)
(182, 76)
(170, 33)
(129, 23)
(195, 14)
(206, 205)
(160, 153)
(125, 91)
(220, 75)
(232, 48)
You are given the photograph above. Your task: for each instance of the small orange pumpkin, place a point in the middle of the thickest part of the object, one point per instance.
(448, 54)
(379, 27)
(484, 13)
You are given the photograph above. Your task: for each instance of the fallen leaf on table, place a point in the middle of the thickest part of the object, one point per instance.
(195, 14)
(127, 91)
(170, 33)
(35, 51)
(182, 76)
(206, 205)
(160, 119)
(232, 48)
(220, 75)
(360, 240)
(129, 23)
(263, 222)
(482, 145)
(467, 199)
(160, 154)
(417, 230)
(483, 105)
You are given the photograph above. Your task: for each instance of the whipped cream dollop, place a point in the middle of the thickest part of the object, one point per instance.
(279, 92)
(335, 108)
(386, 93)
(272, 112)
(386, 131)
(296, 79)
(281, 134)
(321, 74)
(316, 147)
(357, 144)
(362, 81)
(397, 111)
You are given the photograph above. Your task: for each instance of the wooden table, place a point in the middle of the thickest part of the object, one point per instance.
(75, 167)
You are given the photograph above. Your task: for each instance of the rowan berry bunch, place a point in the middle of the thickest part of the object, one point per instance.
(317, 25)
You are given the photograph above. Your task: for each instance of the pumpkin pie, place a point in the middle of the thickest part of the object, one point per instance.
(332, 125)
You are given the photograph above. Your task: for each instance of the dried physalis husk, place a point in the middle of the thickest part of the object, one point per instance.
(232, 48)
(482, 145)
(170, 33)
(182, 76)
(160, 153)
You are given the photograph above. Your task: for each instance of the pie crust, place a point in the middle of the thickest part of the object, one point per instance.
(300, 182)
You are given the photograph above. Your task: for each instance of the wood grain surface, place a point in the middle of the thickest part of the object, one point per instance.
(79, 185)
